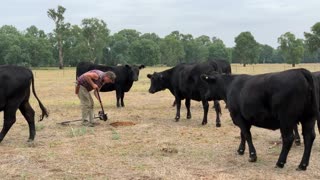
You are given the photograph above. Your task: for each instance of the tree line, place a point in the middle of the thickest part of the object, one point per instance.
(91, 41)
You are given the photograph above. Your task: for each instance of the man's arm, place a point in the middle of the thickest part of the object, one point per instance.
(89, 76)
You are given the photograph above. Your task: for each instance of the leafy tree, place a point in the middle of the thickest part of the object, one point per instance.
(313, 38)
(60, 28)
(96, 34)
(36, 46)
(204, 40)
(266, 53)
(195, 50)
(176, 35)
(130, 34)
(151, 36)
(75, 46)
(9, 44)
(202, 52)
(31, 48)
(118, 50)
(246, 49)
(291, 48)
(190, 48)
(217, 50)
(277, 57)
(144, 51)
(229, 54)
(172, 51)
(310, 57)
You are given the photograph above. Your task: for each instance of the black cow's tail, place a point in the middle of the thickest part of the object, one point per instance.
(43, 109)
(315, 95)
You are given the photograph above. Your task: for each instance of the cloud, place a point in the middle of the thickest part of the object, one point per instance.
(265, 19)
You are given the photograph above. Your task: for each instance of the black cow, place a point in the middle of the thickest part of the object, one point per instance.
(295, 130)
(271, 101)
(221, 66)
(14, 95)
(184, 82)
(126, 75)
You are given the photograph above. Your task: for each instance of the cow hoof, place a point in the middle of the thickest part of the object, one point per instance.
(297, 142)
(31, 144)
(30, 140)
(204, 123)
(279, 165)
(252, 157)
(302, 167)
(218, 125)
(189, 117)
(240, 151)
(177, 118)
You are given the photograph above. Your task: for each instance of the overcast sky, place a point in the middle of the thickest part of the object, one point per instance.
(225, 19)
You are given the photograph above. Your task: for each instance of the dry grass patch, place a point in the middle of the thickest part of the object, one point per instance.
(154, 147)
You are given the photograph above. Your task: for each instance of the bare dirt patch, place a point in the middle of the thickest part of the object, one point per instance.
(122, 123)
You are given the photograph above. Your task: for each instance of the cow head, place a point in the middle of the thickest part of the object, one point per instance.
(157, 82)
(215, 86)
(134, 71)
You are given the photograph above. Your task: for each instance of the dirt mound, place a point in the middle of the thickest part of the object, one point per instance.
(122, 123)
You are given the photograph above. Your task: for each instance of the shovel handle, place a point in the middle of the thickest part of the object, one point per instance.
(100, 100)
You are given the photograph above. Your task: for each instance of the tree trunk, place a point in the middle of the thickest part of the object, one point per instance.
(60, 53)
(244, 64)
(293, 65)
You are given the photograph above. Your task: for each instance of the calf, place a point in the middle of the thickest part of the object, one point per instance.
(126, 75)
(184, 82)
(14, 95)
(271, 101)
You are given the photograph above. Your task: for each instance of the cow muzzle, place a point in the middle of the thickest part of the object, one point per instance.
(152, 91)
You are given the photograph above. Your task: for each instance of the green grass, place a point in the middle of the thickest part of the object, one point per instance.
(76, 132)
(115, 135)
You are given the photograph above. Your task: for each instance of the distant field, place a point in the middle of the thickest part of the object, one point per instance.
(156, 147)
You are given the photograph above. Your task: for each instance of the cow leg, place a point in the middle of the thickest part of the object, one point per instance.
(187, 102)
(242, 145)
(252, 150)
(308, 137)
(174, 103)
(9, 120)
(122, 96)
(205, 105)
(218, 113)
(28, 113)
(287, 141)
(245, 132)
(297, 140)
(178, 106)
(118, 96)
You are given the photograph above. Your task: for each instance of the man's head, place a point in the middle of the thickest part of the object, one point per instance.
(109, 77)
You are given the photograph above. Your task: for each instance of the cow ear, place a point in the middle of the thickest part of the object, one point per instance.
(141, 66)
(149, 76)
(208, 78)
(127, 66)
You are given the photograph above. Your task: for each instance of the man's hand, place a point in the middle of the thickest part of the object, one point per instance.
(95, 92)
(77, 89)
(95, 87)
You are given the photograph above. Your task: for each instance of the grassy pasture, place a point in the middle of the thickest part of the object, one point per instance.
(155, 148)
